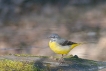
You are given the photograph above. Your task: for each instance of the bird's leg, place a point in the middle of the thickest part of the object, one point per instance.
(61, 60)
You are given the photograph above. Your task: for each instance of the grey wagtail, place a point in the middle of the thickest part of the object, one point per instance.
(60, 45)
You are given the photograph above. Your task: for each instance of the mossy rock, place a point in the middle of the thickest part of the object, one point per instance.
(44, 63)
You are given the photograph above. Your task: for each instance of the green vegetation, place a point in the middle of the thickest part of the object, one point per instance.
(24, 55)
(27, 55)
(10, 65)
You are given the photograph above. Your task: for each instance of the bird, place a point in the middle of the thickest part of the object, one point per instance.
(60, 45)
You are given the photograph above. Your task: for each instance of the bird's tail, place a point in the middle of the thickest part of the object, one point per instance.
(74, 45)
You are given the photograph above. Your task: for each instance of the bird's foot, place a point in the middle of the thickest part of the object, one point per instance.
(61, 61)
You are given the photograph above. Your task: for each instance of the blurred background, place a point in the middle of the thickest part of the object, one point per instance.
(26, 24)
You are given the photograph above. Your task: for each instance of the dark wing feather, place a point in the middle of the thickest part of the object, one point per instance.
(66, 42)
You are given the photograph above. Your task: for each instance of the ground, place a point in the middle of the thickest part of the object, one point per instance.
(44, 63)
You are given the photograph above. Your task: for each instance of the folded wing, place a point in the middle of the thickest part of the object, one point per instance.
(64, 42)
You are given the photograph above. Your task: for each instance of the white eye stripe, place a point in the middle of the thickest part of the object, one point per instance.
(53, 39)
(54, 36)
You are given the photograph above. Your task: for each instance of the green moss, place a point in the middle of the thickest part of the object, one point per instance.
(27, 55)
(24, 55)
(10, 65)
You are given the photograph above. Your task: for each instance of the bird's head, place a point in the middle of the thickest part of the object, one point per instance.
(54, 37)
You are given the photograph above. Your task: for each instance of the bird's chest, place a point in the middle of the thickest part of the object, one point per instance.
(54, 45)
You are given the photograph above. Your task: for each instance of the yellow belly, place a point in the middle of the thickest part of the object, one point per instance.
(59, 49)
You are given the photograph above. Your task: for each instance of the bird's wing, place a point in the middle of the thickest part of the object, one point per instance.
(64, 42)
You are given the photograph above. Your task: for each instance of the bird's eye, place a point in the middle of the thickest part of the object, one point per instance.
(52, 36)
